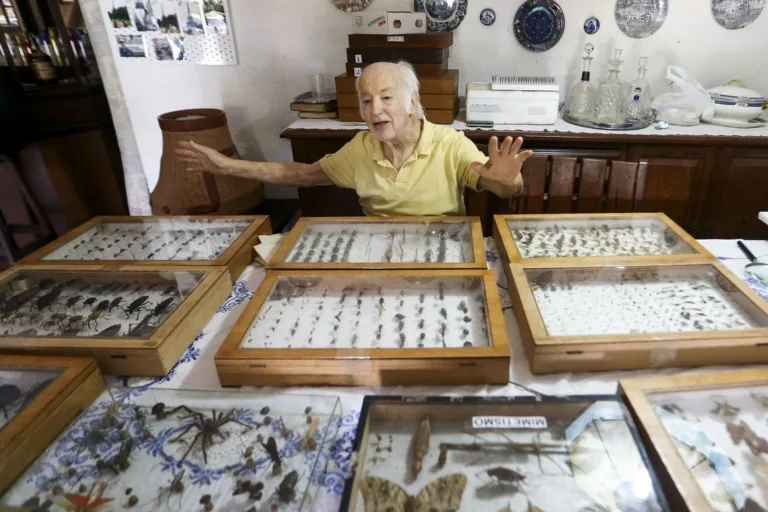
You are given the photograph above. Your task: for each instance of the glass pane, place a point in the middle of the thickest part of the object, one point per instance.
(595, 237)
(104, 304)
(19, 388)
(721, 434)
(147, 452)
(384, 242)
(372, 312)
(619, 300)
(161, 240)
(578, 455)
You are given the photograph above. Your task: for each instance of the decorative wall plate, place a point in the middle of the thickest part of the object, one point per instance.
(641, 18)
(591, 25)
(539, 24)
(736, 14)
(442, 15)
(487, 17)
(351, 5)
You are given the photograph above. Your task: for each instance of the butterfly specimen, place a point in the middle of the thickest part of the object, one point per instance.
(442, 495)
(724, 409)
(743, 432)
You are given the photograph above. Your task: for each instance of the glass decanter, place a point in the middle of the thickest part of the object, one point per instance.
(609, 94)
(639, 104)
(581, 104)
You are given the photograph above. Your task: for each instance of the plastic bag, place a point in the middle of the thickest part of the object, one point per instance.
(686, 103)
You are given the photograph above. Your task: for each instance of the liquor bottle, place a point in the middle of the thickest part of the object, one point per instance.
(59, 55)
(41, 64)
(635, 111)
(609, 94)
(581, 104)
(641, 88)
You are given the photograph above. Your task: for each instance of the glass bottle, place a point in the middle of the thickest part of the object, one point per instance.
(640, 87)
(581, 104)
(635, 111)
(609, 94)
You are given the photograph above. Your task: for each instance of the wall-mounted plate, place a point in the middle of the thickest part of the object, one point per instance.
(539, 25)
(591, 25)
(351, 5)
(640, 18)
(736, 14)
(487, 17)
(442, 15)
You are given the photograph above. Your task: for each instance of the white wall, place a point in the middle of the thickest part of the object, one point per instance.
(280, 43)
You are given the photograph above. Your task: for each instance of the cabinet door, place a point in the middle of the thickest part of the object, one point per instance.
(743, 194)
(674, 183)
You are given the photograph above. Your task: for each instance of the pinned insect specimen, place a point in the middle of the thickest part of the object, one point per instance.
(679, 412)
(743, 432)
(420, 446)
(274, 455)
(443, 494)
(505, 475)
(309, 442)
(207, 428)
(92, 501)
(761, 399)
(286, 491)
(176, 486)
(724, 410)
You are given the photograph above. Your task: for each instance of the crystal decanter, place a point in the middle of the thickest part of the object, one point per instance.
(581, 104)
(609, 94)
(639, 101)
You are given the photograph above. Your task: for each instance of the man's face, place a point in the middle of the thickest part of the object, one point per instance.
(381, 95)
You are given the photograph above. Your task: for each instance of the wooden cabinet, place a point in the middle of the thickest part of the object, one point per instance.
(743, 192)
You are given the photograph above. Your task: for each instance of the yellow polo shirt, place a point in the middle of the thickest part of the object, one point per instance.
(430, 182)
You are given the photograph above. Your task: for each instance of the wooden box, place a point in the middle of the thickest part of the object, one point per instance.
(706, 435)
(157, 241)
(585, 317)
(431, 40)
(39, 396)
(142, 449)
(422, 70)
(579, 453)
(134, 320)
(391, 242)
(446, 84)
(412, 55)
(353, 328)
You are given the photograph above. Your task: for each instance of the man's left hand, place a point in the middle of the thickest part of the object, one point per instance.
(504, 163)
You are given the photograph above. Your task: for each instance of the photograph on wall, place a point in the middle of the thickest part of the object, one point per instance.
(144, 16)
(191, 18)
(168, 48)
(215, 17)
(166, 18)
(131, 46)
(119, 14)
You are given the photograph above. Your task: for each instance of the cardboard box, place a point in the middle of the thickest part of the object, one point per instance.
(390, 23)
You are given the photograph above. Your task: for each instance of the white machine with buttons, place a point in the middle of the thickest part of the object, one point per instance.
(513, 100)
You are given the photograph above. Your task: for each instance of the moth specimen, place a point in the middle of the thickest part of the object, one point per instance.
(420, 446)
(443, 494)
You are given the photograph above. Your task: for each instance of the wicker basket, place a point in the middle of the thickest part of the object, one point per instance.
(179, 192)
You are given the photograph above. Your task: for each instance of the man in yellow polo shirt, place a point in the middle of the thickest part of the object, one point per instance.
(404, 165)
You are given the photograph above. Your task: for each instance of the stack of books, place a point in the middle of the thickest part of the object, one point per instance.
(315, 108)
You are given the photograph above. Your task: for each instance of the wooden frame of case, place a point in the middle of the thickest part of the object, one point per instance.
(680, 485)
(365, 367)
(587, 353)
(28, 434)
(236, 257)
(278, 259)
(440, 408)
(153, 356)
(510, 254)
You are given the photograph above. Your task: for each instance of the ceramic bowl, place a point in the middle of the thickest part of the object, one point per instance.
(736, 102)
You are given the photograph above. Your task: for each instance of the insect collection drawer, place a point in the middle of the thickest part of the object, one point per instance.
(394, 242)
(134, 320)
(591, 318)
(499, 454)
(706, 434)
(175, 240)
(178, 450)
(388, 327)
(39, 396)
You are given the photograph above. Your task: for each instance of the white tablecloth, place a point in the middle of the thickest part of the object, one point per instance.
(195, 369)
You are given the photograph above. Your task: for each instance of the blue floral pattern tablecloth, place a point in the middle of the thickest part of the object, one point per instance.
(196, 370)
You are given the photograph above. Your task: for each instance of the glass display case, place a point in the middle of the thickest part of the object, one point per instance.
(170, 450)
(499, 454)
(387, 242)
(589, 318)
(129, 318)
(653, 237)
(38, 393)
(204, 240)
(708, 432)
(369, 328)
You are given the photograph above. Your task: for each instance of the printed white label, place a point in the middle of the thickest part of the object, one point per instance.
(358, 59)
(358, 71)
(509, 422)
(395, 39)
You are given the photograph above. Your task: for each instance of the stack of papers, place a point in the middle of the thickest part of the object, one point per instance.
(267, 246)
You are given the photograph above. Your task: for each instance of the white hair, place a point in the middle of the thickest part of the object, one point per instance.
(410, 86)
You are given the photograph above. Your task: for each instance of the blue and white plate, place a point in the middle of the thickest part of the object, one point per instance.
(442, 15)
(539, 24)
(487, 17)
(591, 25)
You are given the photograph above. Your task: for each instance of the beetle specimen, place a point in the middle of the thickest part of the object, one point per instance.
(136, 306)
(286, 491)
(207, 427)
(274, 455)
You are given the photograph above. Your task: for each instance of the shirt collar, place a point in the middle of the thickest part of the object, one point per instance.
(424, 146)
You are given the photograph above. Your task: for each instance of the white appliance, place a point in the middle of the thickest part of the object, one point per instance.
(513, 100)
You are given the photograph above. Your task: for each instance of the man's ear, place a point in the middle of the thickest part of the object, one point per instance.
(414, 102)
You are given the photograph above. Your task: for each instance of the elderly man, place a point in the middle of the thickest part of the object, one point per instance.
(404, 165)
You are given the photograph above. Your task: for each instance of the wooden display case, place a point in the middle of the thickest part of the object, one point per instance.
(40, 396)
(706, 436)
(133, 319)
(595, 238)
(499, 453)
(381, 243)
(369, 328)
(218, 240)
(586, 317)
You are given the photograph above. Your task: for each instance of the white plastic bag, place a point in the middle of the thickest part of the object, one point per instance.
(686, 103)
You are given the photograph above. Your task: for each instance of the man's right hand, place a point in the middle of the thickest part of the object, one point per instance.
(200, 158)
